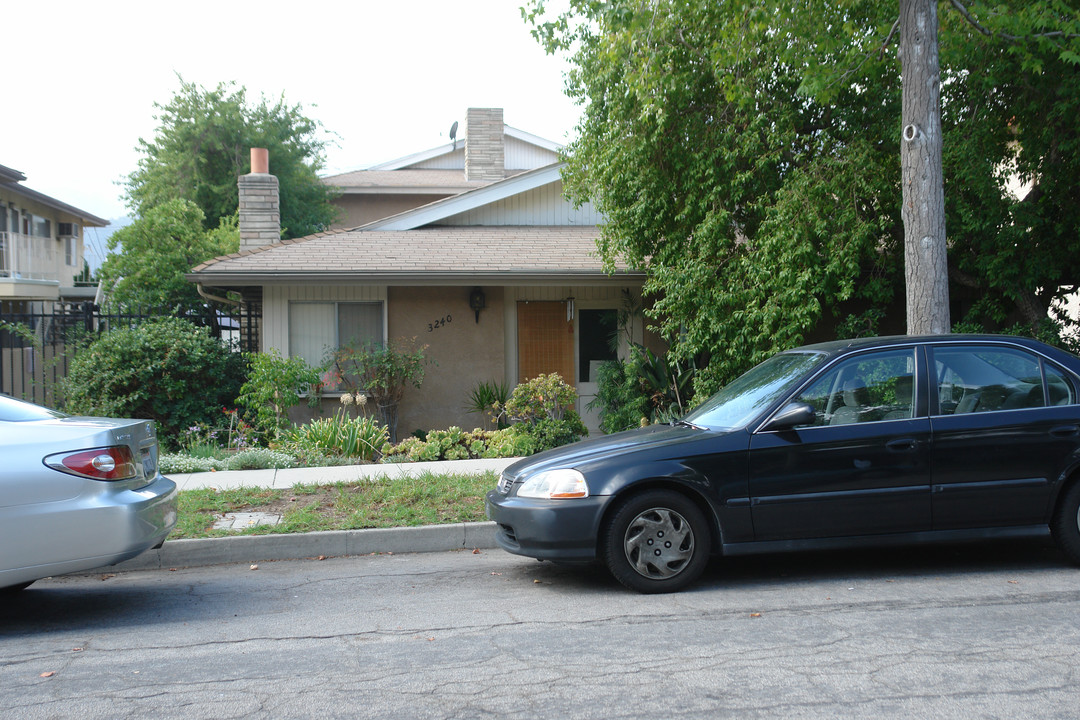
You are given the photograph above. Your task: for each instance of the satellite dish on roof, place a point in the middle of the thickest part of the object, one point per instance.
(453, 134)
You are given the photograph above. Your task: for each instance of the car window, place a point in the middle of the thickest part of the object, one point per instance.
(1059, 390)
(751, 393)
(975, 379)
(12, 410)
(867, 388)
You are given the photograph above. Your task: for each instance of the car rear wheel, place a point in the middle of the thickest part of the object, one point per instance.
(656, 542)
(1065, 526)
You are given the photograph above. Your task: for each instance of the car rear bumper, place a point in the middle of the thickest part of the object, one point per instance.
(564, 530)
(102, 526)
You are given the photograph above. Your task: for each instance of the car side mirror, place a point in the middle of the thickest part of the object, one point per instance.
(792, 415)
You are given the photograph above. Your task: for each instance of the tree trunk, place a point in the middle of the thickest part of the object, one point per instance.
(926, 267)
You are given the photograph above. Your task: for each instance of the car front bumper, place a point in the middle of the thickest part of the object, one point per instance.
(562, 530)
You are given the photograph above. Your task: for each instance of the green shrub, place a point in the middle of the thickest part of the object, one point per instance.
(273, 386)
(182, 463)
(545, 396)
(341, 435)
(168, 370)
(252, 459)
(259, 459)
(456, 444)
(380, 371)
(550, 434)
(643, 390)
(620, 398)
(542, 409)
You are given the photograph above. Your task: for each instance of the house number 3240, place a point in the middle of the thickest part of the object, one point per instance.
(441, 322)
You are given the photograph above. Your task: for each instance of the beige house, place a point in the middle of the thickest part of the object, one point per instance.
(490, 267)
(41, 245)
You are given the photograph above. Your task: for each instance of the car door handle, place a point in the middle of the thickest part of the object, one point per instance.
(901, 445)
(1065, 430)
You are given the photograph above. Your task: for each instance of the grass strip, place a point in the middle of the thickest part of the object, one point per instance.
(427, 499)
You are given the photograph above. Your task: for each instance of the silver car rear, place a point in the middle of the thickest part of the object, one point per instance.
(77, 493)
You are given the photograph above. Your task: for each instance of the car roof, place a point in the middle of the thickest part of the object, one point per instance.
(841, 347)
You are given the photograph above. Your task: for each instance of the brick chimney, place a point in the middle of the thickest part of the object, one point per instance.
(260, 211)
(484, 159)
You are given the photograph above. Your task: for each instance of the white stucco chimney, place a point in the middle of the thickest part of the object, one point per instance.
(260, 211)
(484, 155)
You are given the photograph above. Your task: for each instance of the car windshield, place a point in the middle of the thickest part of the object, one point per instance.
(12, 410)
(742, 400)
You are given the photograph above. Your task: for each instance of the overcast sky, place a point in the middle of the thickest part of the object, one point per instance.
(388, 76)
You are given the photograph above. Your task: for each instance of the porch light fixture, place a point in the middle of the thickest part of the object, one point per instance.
(477, 302)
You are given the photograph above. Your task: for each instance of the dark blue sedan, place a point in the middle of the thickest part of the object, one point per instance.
(849, 443)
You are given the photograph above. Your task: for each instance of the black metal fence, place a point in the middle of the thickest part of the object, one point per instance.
(37, 346)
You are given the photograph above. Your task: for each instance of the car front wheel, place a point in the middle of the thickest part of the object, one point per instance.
(656, 542)
(1065, 526)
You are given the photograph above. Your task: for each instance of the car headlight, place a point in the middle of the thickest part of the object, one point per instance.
(555, 485)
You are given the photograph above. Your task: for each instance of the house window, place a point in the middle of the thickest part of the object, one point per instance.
(42, 227)
(71, 252)
(315, 328)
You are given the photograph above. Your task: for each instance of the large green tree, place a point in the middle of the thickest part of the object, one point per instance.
(747, 154)
(148, 258)
(202, 145)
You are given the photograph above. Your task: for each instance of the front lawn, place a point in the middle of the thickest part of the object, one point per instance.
(428, 499)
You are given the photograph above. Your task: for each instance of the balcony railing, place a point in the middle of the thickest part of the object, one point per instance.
(28, 258)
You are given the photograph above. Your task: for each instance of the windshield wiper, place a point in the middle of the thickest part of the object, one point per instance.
(683, 423)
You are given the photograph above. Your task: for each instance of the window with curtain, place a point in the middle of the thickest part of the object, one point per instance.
(315, 328)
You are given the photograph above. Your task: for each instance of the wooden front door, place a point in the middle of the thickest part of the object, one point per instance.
(545, 341)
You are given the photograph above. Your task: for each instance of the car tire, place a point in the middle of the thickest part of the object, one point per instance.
(656, 542)
(1065, 526)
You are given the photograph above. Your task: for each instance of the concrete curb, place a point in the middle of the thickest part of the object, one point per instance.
(336, 543)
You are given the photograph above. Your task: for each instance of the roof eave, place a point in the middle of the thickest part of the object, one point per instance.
(454, 278)
(84, 217)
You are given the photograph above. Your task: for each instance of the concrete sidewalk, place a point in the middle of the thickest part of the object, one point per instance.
(287, 477)
(263, 548)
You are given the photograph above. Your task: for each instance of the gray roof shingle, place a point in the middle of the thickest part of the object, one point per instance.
(426, 254)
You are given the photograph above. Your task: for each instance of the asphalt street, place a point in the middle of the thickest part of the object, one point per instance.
(945, 632)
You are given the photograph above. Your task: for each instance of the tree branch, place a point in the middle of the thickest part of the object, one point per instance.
(1006, 36)
(885, 43)
(962, 278)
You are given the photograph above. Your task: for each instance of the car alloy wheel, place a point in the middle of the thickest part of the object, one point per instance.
(657, 541)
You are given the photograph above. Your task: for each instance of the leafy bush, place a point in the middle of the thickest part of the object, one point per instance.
(550, 434)
(273, 386)
(166, 370)
(640, 391)
(457, 444)
(252, 459)
(541, 408)
(619, 397)
(545, 396)
(341, 435)
(380, 371)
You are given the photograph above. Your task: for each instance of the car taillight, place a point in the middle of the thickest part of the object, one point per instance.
(110, 463)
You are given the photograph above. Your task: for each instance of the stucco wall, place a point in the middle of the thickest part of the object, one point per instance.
(464, 352)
